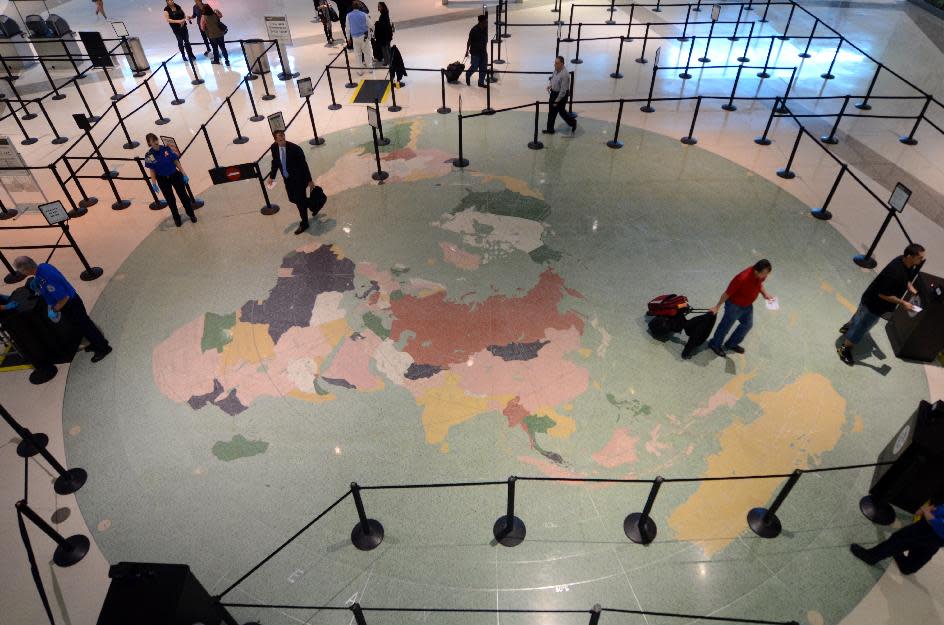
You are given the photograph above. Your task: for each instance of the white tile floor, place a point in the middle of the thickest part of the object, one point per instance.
(880, 27)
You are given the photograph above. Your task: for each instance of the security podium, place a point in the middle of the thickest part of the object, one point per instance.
(42, 342)
(920, 336)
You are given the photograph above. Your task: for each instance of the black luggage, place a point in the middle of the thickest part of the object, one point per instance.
(698, 329)
(316, 200)
(661, 326)
(376, 50)
(454, 71)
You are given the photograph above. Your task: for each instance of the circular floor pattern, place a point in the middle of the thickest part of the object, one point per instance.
(470, 325)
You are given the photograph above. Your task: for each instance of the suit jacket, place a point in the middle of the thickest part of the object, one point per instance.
(298, 173)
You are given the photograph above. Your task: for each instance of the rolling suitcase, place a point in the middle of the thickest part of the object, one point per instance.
(454, 71)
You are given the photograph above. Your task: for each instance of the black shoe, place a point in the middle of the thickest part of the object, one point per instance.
(214, 62)
(207, 53)
(718, 351)
(193, 58)
(845, 355)
(301, 228)
(547, 132)
(177, 222)
(101, 355)
(483, 85)
(227, 62)
(193, 218)
(468, 81)
(844, 328)
(573, 129)
(862, 553)
(737, 349)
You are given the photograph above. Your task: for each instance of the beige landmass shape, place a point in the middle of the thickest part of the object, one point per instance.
(798, 423)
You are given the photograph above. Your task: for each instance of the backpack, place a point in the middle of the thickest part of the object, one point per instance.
(669, 305)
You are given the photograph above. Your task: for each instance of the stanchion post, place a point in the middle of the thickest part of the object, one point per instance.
(629, 25)
(68, 551)
(786, 94)
(443, 110)
(57, 138)
(393, 108)
(642, 56)
(161, 120)
(764, 73)
(115, 96)
(250, 75)
(577, 60)
(786, 173)
(766, 8)
(876, 510)
(311, 117)
(615, 143)
(88, 274)
(27, 140)
(380, 129)
(334, 103)
(509, 530)
(86, 200)
(595, 612)
(461, 161)
(831, 137)
(30, 442)
(806, 51)
(829, 72)
(711, 30)
(688, 14)
(910, 140)
(488, 110)
(88, 110)
(658, 7)
(690, 138)
(864, 104)
(156, 202)
(52, 83)
(764, 521)
(358, 614)
(685, 75)
(619, 59)
(129, 143)
(785, 36)
(347, 64)
(206, 137)
(744, 58)
(75, 210)
(729, 105)
(570, 25)
(7, 213)
(16, 95)
(639, 526)
(268, 208)
(822, 213)
(610, 21)
(764, 139)
(647, 108)
(256, 117)
(380, 175)
(367, 533)
(240, 139)
(866, 261)
(177, 99)
(534, 144)
(505, 34)
(196, 75)
(737, 24)
(265, 85)
(69, 480)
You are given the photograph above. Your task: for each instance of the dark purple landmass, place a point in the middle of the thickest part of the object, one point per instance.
(418, 372)
(199, 401)
(339, 382)
(291, 301)
(229, 404)
(517, 351)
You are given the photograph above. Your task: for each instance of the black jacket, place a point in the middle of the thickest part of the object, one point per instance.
(397, 68)
(298, 173)
(383, 30)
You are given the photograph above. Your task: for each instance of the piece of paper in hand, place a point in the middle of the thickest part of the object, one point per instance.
(773, 304)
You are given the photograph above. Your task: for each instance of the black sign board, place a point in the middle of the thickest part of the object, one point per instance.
(97, 51)
(235, 173)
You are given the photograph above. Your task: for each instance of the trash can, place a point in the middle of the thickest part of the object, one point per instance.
(137, 59)
(13, 47)
(256, 57)
(917, 456)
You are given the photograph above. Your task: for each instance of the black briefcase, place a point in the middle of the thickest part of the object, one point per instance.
(316, 200)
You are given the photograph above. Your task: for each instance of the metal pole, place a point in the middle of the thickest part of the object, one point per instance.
(570, 25)
(764, 522)
(461, 161)
(806, 51)
(311, 117)
(866, 261)
(86, 201)
(629, 26)
(823, 213)
(639, 526)
(763, 140)
(688, 13)
(256, 117)
(443, 110)
(129, 144)
(730, 106)
(612, 10)
(393, 108)
(910, 140)
(711, 30)
(156, 202)
(92, 118)
(16, 94)
(764, 16)
(88, 274)
(685, 75)
(534, 144)
(206, 136)
(619, 59)
(645, 40)
(265, 86)
(334, 103)
(69, 480)
(786, 94)
(829, 72)
(648, 106)
(577, 60)
(615, 143)
(75, 211)
(52, 83)
(380, 129)
(864, 104)
(27, 140)
(785, 36)
(196, 75)
(115, 96)
(161, 120)
(57, 139)
(70, 550)
(690, 139)
(764, 73)
(831, 137)
(240, 139)
(177, 99)
(737, 24)
(347, 63)
(786, 173)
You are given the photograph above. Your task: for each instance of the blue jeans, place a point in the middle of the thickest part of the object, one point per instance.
(477, 62)
(743, 315)
(863, 321)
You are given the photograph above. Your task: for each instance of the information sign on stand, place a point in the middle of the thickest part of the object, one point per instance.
(277, 28)
(305, 88)
(715, 12)
(276, 122)
(171, 143)
(120, 29)
(900, 197)
(54, 212)
(655, 58)
(12, 179)
(373, 118)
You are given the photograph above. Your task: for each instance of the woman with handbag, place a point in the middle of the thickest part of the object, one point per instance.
(216, 31)
(327, 15)
(383, 32)
(178, 21)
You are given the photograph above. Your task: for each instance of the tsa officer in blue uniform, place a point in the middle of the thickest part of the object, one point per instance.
(168, 174)
(63, 302)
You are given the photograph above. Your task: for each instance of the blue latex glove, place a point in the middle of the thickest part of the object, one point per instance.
(54, 316)
(11, 305)
(186, 179)
(31, 285)
(154, 187)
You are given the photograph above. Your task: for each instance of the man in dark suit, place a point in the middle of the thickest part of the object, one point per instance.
(289, 158)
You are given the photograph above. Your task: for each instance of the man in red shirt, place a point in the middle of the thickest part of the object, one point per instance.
(738, 300)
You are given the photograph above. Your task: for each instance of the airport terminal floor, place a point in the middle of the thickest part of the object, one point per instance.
(462, 324)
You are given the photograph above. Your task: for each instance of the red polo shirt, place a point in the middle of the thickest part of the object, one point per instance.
(744, 288)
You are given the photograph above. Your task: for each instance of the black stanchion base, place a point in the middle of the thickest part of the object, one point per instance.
(509, 536)
(334, 107)
(109, 174)
(13, 277)
(647, 109)
(89, 201)
(616, 75)
(609, 22)
(383, 141)
(567, 40)
(558, 22)
(689, 140)
(70, 481)
(284, 76)
(380, 176)
(763, 524)
(682, 39)
(350, 85)
(783, 38)
(93, 273)
(642, 61)
(131, 145)
(763, 21)
(909, 140)
(460, 162)
(871, 508)
(43, 374)
(269, 209)
(197, 203)
(59, 96)
(198, 81)
(576, 61)
(256, 118)
(685, 75)
(394, 109)
(781, 110)
(444, 110)
(763, 74)
(535, 145)
(161, 122)
(9, 214)
(506, 35)
(866, 262)
(316, 141)
(704, 59)
(118, 96)
(762, 141)
(27, 449)
(60, 140)
(120, 205)
(804, 55)
(499, 61)
(158, 205)
(641, 530)
(729, 107)
(658, 10)
(177, 102)
(786, 174)
(743, 59)
(139, 73)
(829, 139)
(734, 38)
(268, 97)
(72, 552)
(364, 541)
(252, 77)
(241, 140)
(488, 111)
(615, 144)
(491, 79)
(821, 213)
(827, 76)
(29, 141)
(29, 116)
(863, 106)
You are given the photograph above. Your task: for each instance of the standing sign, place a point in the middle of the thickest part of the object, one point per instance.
(655, 60)
(715, 12)
(54, 212)
(276, 122)
(96, 49)
(120, 29)
(171, 143)
(900, 197)
(373, 118)
(9, 157)
(277, 28)
(305, 88)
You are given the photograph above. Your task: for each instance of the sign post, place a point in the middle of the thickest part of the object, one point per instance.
(373, 118)
(277, 28)
(896, 204)
(56, 215)
(244, 171)
(305, 90)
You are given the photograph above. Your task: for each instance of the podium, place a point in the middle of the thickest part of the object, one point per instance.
(42, 342)
(917, 456)
(920, 336)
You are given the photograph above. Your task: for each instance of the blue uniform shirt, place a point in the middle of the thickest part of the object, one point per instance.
(937, 520)
(161, 160)
(357, 24)
(51, 284)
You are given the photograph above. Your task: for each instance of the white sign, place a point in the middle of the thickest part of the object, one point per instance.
(276, 122)
(171, 143)
(54, 212)
(305, 88)
(9, 157)
(900, 197)
(277, 28)
(655, 59)
(373, 117)
(120, 29)
(715, 12)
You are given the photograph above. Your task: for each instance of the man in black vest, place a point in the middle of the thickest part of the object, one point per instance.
(289, 158)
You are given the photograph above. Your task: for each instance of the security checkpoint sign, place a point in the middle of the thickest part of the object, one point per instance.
(277, 28)
(373, 118)
(54, 212)
(9, 157)
(715, 12)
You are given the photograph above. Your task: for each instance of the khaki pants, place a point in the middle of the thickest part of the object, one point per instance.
(363, 54)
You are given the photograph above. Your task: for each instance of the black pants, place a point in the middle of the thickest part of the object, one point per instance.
(168, 185)
(75, 314)
(555, 108)
(920, 542)
(206, 40)
(477, 62)
(299, 197)
(183, 42)
(219, 46)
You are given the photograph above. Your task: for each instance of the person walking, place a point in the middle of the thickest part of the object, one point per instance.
(324, 10)
(167, 174)
(558, 88)
(344, 7)
(63, 303)
(289, 159)
(882, 296)
(383, 32)
(476, 48)
(210, 22)
(358, 32)
(738, 300)
(197, 14)
(100, 8)
(912, 546)
(178, 21)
